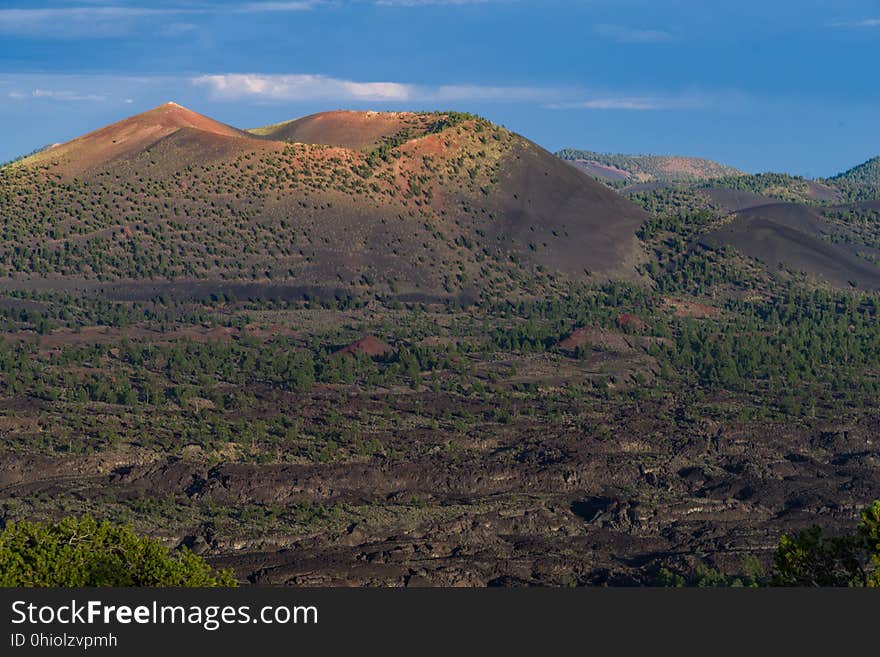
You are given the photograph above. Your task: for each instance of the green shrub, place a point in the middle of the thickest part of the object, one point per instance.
(812, 559)
(84, 552)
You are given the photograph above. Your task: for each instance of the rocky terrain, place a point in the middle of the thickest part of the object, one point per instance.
(416, 349)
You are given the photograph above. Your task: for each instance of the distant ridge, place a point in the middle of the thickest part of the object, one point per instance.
(27, 155)
(867, 173)
(613, 167)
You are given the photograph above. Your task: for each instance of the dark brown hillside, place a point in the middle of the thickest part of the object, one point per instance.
(600, 171)
(792, 235)
(562, 219)
(734, 200)
(793, 215)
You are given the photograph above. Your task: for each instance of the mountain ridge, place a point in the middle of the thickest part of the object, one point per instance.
(435, 204)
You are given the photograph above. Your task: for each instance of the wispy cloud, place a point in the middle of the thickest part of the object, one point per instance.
(106, 20)
(72, 22)
(450, 93)
(689, 100)
(67, 95)
(623, 34)
(611, 103)
(56, 94)
(45, 88)
(423, 3)
(862, 23)
(312, 88)
(262, 87)
(178, 28)
(297, 87)
(303, 5)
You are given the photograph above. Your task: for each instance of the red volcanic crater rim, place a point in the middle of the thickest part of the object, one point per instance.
(133, 135)
(345, 128)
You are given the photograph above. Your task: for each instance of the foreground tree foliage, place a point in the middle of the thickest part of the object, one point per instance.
(85, 552)
(811, 559)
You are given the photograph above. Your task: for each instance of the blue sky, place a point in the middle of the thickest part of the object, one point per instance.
(762, 85)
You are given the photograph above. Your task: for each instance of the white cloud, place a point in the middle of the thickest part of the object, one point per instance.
(301, 87)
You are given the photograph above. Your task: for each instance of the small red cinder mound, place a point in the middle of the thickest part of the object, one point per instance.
(684, 308)
(594, 337)
(579, 338)
(625, 320)
(369, 345)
